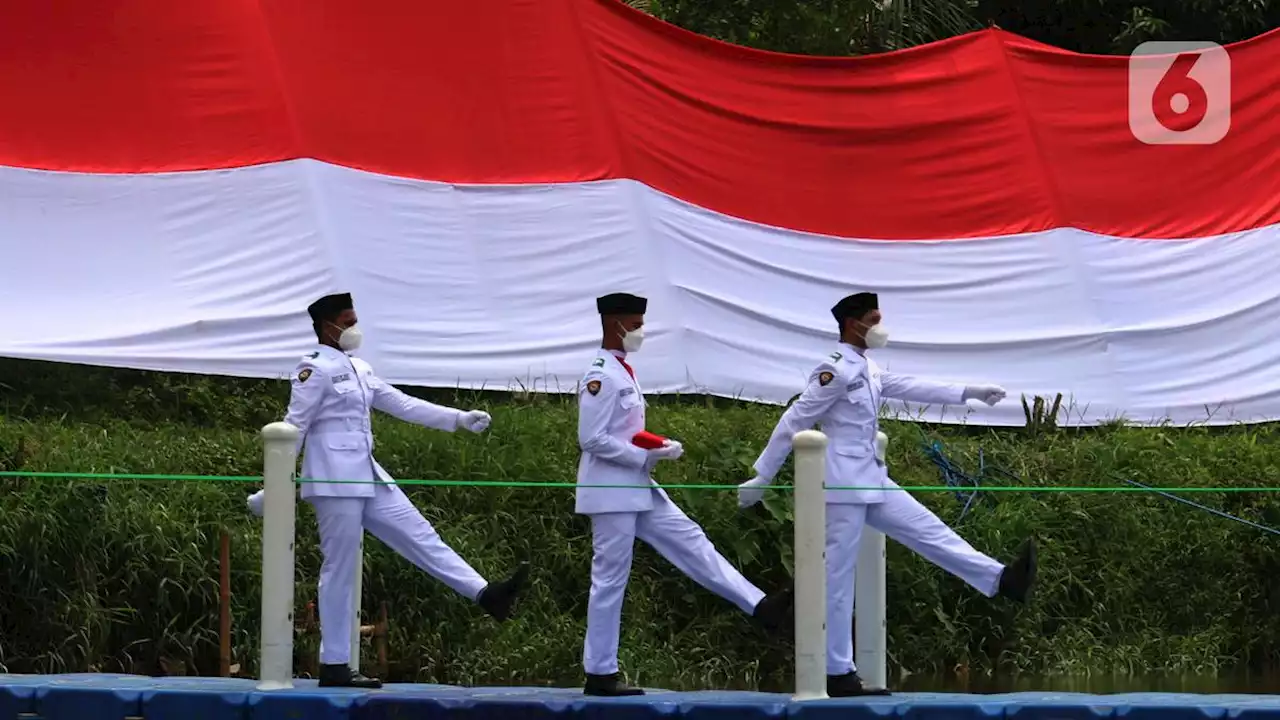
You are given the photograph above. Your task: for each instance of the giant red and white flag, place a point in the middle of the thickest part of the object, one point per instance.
(179, 179)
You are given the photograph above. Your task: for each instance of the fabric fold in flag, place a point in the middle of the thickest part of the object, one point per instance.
(178, 182)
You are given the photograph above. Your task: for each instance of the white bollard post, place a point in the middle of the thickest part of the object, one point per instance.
(871, 647)
(279, 463)
(355, 604)
(871, 651)
(810, 565)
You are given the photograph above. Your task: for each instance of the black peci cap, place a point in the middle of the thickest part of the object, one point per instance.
(621, 304)
(329, 307)
(855, 306)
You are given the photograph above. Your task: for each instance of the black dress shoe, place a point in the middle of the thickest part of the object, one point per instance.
(343, 676)
(776, 611)
(497, 598)
(1019, 575)
(850, 685)
(608, 686)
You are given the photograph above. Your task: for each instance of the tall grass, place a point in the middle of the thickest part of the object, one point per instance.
(122, 575)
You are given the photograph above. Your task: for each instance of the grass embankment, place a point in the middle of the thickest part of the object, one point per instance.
(122, 575)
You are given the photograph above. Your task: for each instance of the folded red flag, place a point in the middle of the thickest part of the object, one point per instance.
(648, 440)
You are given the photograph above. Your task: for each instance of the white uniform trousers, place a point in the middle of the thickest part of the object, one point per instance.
(394, 520)
(678, 539)
(902, 518)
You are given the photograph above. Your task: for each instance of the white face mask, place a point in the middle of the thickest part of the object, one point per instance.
(350, 339)
(632, 340)
(877, 336)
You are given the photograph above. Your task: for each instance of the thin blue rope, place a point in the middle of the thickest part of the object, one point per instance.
(1207, 509)
(954, 476)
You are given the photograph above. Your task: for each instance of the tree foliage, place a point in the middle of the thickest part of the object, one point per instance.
(854, 27)
(1119, 26)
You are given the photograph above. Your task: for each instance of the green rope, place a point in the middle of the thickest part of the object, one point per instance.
(535, 484)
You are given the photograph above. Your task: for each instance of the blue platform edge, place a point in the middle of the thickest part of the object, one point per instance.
(117, 697)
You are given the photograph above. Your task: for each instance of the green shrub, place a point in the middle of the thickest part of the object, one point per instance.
(122, 575)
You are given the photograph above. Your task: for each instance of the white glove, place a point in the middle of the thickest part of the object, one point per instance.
(670, 450)
(255, 502)
(989, 394)
(752, 491)
(882, 445)
(474, 420)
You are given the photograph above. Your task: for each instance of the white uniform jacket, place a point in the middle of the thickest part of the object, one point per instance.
(330, 402)
(610, 413)
(843, 396)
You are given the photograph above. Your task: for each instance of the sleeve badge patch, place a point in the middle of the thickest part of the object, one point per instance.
(306, 373)
(824, 378)
(593, 387)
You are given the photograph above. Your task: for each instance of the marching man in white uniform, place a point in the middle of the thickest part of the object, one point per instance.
(843, 396)
(616, 450)
(330, 403)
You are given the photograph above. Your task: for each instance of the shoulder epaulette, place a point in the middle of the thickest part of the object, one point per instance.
(835, 357)
(598, 362)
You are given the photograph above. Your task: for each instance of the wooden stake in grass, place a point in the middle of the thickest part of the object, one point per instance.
(380, 639)
(1039, 419)
(224, 606)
